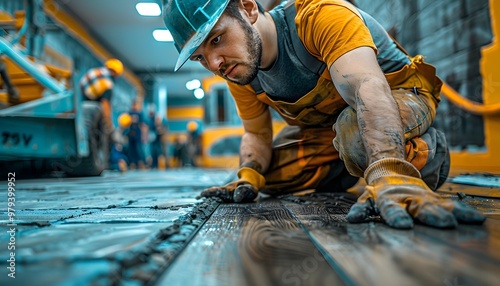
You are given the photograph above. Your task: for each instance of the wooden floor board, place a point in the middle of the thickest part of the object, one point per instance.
(251, 244)
(308, 241)
(374, 254)
(482, 241)
(138, 227)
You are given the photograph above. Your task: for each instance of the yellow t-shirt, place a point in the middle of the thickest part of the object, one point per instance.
(331, 28)
(328, 29)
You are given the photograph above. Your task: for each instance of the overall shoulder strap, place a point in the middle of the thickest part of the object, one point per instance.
(310, 62)
(257, 87)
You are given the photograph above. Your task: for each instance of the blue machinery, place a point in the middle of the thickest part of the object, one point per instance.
(51, 127)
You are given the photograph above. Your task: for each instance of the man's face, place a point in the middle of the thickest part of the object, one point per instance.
(232, 50)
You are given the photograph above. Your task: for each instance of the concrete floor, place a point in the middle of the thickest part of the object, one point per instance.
(148, 228)
(77, 231)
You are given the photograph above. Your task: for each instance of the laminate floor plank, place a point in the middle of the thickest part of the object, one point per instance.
(374, 254)
(251, 244)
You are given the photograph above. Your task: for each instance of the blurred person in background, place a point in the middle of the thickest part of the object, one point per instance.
(97, 85)
(157, 145)
(119, 143)
(135, 136)
(193, 142)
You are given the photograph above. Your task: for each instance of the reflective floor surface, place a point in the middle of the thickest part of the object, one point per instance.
(148, 228)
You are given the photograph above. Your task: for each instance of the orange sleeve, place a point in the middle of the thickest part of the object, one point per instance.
(246, 101)
(331, 28)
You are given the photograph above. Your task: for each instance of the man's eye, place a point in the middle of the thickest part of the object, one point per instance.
(216, 40)
(196, 58)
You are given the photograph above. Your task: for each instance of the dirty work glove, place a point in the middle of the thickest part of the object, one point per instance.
(245, 189)
(396, 192)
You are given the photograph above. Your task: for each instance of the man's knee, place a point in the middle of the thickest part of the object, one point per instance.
(436, 170)
(348, 142)
(434, 166)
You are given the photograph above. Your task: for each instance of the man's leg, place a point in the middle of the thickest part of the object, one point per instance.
(426, 147)
(337, 179)
(437, 166)
(301, 159)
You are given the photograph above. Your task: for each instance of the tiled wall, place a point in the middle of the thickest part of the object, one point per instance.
(450, 33)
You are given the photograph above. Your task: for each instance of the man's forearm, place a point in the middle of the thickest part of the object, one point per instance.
(379, 121)
(360, 81)
(255, 151)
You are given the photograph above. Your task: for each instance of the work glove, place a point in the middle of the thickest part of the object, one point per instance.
(396, 192)
(245, 189)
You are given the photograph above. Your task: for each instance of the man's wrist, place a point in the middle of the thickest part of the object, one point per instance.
(253, 165)
(251, 176)
(390, 167)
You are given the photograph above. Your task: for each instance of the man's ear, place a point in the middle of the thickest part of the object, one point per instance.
(251, 9)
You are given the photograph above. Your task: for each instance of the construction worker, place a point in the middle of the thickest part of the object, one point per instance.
(97, 84)
(118, 159)
(194, 142)
(334, 75)
(136, 137)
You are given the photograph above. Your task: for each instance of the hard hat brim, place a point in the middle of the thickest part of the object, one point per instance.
(198, 38)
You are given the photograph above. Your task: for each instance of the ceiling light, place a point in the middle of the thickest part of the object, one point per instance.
(148, 9)
(199, 93)
(193, 84)
(162, 35)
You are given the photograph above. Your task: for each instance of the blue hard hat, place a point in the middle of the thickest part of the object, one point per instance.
(189, 22)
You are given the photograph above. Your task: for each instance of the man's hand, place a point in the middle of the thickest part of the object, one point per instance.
(245, 189)
(396, 192)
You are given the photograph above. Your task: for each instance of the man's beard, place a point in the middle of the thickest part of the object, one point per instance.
(254, 47)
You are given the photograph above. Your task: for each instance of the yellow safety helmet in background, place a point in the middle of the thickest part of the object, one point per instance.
(115, 65)
(124, 120)
(192, 126)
